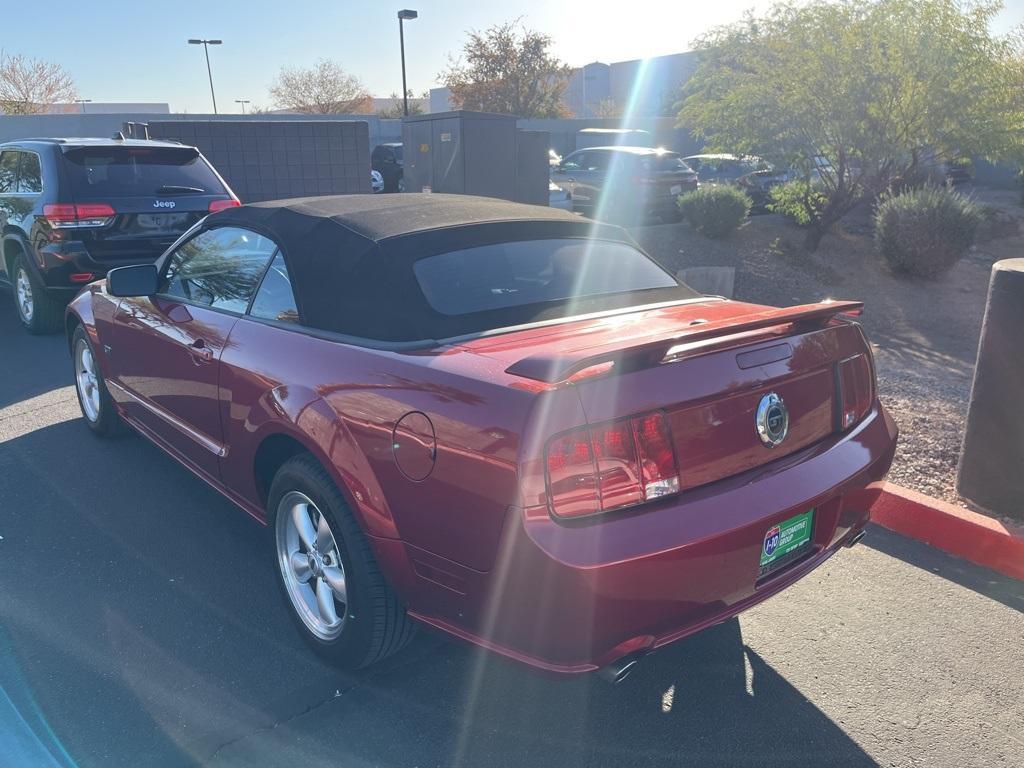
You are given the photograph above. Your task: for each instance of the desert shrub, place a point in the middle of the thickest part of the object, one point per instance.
(800, 201)
(924, 232)
(715, 211)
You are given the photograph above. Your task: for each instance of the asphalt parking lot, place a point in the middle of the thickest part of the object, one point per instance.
(140, 625)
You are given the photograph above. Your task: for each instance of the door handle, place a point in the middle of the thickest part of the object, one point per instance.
(201, 354)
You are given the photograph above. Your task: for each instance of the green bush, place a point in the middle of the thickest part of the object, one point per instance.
(924, 232)
(715, 211)
(799, 201)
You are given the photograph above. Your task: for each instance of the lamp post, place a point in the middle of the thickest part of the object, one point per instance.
(243, 102)
(403, 16)
(83, 102)
(206, 47)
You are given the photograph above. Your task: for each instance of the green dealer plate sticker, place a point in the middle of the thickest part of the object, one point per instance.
(785, 542)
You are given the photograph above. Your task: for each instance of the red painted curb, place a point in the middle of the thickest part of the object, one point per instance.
(978, 538)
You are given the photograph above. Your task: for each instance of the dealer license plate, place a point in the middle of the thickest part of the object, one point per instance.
(675, 189)
(786, 542)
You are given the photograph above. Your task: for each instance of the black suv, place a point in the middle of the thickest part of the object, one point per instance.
(386, 159)
(71, 209)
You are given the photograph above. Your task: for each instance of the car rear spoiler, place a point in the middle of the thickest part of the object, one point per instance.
(554, 368)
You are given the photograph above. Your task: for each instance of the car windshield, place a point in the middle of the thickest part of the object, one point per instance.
(95, 172)
(517, 274)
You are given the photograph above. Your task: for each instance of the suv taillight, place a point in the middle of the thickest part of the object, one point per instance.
(220, 205)
(856, 388)
(64, 215)
(611, 466)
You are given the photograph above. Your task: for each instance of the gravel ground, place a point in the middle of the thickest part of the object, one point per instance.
(924, 333)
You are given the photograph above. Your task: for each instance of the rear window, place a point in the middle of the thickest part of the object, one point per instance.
(504, 275)
(138, 172)
(662, 163)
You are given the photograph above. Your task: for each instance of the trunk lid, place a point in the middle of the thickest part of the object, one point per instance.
(707, 365)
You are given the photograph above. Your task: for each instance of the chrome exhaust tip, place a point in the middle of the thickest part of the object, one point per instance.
(619, 670)
(856, 539)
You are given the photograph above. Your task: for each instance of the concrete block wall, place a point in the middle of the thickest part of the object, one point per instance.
(269, 160)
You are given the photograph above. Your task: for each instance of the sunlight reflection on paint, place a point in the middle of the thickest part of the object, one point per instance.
(498, 594)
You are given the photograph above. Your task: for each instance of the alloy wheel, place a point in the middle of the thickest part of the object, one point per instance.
(311, 566)
(87, 381)
(23, 296)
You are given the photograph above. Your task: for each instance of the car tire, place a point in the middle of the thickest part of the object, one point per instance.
(94, 399)
(38, 312)
(360, 625)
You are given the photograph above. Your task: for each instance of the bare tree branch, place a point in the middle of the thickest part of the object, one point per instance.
(29, 86)
(322, 89)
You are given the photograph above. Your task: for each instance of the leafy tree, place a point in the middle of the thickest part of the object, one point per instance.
(324, 88)
(508, 69)
(29, 86)
(858, 95)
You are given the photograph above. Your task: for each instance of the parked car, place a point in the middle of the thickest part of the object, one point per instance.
(387, 160)
(755, 176)
(625, 184)
(502, 421)
(723, 168)
(71, 209)
(958, 171)
(558, 197)
(376, 182)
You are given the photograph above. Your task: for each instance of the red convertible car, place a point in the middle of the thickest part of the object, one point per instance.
(505, 422)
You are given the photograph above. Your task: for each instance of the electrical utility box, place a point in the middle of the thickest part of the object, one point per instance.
(468, 153)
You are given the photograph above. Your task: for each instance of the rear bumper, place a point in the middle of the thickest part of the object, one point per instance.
(61, 261)
(574, 598)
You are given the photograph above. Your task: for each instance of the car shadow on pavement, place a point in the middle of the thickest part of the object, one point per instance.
(707, 700)
(141, 625)
(30, 365)
(995, 586)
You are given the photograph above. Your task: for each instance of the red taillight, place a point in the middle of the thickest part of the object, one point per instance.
(856, 387)
(611, 466)
(61, 215)
(220, 205)
(571, 475)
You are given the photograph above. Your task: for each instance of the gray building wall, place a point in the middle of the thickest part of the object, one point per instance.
(273, 159)
(14, 127)
(650, 87)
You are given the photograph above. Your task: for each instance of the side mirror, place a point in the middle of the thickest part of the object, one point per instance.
(136, 280)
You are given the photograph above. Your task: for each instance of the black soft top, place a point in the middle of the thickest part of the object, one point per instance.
(350, 257)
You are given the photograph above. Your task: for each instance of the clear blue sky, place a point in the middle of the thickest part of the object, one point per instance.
(136, 51)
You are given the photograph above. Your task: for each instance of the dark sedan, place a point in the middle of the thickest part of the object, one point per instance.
(625, 184)
(751, 174)
(502, 421)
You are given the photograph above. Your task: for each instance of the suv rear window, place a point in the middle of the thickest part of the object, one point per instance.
(517, 274)
(137, 171)
(662, 163)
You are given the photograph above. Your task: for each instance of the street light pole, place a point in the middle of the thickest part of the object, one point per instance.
(83, 102)
(209, 72)
(403, 16)
(243, 102)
